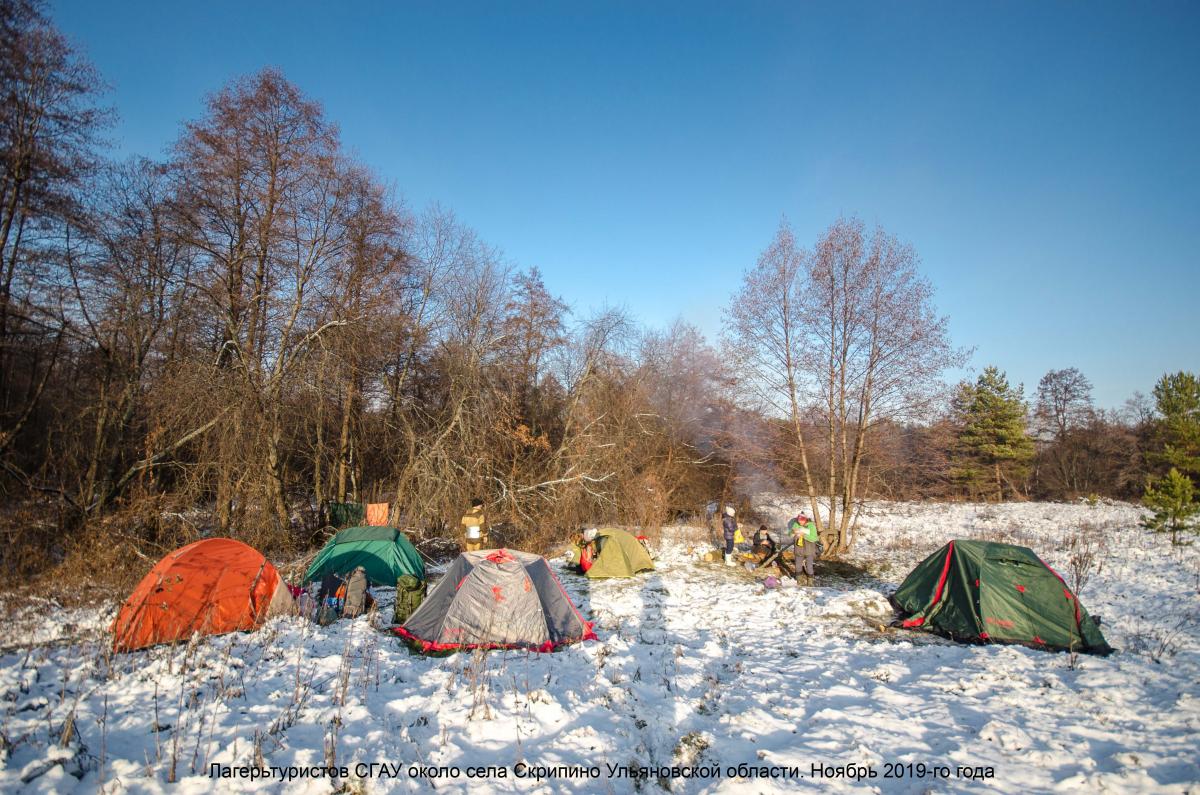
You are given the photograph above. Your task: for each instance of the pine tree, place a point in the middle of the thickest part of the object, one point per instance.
(993, 445)
(1177, 399)
(1173, 500)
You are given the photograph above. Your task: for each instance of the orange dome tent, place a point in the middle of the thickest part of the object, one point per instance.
(213, 586)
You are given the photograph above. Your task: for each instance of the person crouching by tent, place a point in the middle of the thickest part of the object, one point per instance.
(804, 531)
(587, 549)
(474, 524)
(729, 528)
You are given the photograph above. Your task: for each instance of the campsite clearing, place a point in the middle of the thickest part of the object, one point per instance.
(695, 665)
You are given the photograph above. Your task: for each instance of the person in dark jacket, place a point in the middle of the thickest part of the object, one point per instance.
(729, 529)
(329, 588)
(764, 545)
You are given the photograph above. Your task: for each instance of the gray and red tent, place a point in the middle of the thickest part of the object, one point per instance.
(496, 599)
(990, 592)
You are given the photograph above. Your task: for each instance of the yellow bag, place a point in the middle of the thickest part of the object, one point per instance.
(738, 538)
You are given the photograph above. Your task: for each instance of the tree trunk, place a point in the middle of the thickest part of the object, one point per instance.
(275, 474)
(799, 431)
(87, 494)
(319, 447)
(344, 439)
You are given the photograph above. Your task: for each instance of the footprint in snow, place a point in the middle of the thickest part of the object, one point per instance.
(1009, 738)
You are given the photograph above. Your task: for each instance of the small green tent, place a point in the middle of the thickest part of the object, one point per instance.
(984, 591)
(618, 554)
(384, 552)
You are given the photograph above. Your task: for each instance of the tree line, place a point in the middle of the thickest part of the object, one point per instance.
(228, 338)
(842, 359)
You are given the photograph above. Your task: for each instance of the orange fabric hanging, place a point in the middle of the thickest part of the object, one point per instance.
(212, 586)
(377, 514)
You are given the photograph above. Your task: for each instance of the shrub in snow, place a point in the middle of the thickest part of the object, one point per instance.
(1173, 501)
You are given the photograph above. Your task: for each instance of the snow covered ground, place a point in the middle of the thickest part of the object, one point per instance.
(697, 666)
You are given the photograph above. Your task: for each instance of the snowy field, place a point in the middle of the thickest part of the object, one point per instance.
(696, 667)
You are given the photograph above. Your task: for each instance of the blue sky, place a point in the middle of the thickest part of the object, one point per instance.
(1042, 157)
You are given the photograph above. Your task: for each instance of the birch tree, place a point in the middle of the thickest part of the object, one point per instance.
(846, 336)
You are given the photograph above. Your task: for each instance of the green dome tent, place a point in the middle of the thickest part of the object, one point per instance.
(984, 591)
(618, 554)
(384, 552)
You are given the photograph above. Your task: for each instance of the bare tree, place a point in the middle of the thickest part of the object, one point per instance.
(1064, 402)
(1064, 418)
(265, 198)
(445, 401)
(49, 122)
(765, 333)
(131, 301)
(534, 327)
(880, 343)
(684, 418)
(851, 330)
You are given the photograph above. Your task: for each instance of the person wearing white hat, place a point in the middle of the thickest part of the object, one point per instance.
(587, 548)
(729, 526)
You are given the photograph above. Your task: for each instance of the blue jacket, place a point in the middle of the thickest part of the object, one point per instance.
(729, 525)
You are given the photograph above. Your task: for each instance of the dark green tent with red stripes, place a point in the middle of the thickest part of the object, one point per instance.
(987, 592)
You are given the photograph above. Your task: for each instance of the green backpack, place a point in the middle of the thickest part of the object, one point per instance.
(410, 592)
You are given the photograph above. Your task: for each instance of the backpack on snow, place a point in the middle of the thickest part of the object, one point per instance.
(410, 592)
(326, 614)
